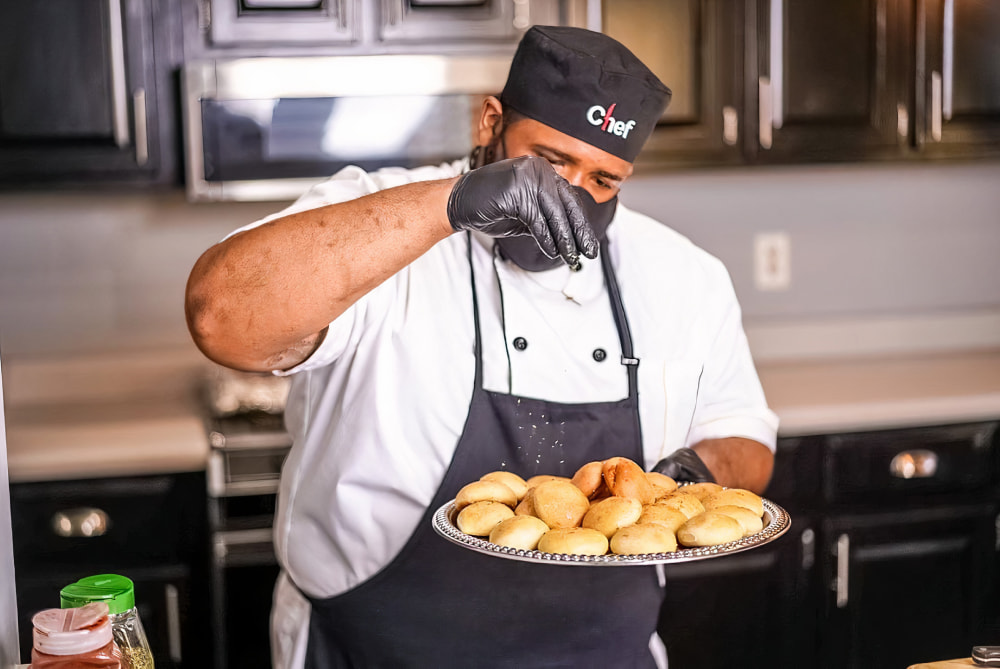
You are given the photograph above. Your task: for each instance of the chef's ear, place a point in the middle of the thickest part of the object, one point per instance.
(490, 122)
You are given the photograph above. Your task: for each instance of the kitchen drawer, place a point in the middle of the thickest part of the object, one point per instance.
(105, 522)
(893, 465)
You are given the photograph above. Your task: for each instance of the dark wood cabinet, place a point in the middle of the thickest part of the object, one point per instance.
(85, 93)
(152, 529)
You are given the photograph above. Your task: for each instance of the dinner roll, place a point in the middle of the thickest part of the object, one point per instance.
(509, 479)
(521, 532)
(747, 519)
(611, 513)
(590, 478)
(542, 478)
(479, 518)
(573, 541)
(710, 529)
(642, 539)
(701, 490)
(559, 503)
(526, 507)
(667, 516)
(735, 497)
(687, 504)
(662, 484)
(625, 478)
(485, 491)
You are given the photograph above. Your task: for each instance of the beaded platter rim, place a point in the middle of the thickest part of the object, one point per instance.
(776, 523)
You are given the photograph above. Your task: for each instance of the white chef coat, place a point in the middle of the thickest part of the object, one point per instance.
(376, 411)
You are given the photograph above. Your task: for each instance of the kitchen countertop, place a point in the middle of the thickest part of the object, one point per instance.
(141, 414)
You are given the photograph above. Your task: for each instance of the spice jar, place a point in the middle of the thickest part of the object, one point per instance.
(118, 592)
(77, 638)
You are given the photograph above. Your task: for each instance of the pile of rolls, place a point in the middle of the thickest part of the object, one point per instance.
(607, 506)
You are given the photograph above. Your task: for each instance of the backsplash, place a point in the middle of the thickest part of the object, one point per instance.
(91, 272)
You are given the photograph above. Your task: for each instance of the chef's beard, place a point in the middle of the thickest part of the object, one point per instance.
(523, 250)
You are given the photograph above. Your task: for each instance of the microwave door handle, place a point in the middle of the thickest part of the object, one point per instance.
(118, 95)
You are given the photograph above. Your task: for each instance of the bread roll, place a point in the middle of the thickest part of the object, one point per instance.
(559, 503)
(509, 479)
(521, 532)
(747, 519)
(667, 516)
(662, 484)
(526, 507)
(735, 497)
(642, 539)
(681, 501)
(479, 518)
(485, 491)
(611, 513)
(624, 478)
(590, 479)
(542, 478)
(710, 529)
(573, 541)
(701, 490)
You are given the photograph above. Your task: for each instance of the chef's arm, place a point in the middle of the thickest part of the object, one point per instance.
(737, 462)
(262, 299)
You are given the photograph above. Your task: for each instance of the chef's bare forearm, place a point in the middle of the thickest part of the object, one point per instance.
(737, 462)
(261, 299)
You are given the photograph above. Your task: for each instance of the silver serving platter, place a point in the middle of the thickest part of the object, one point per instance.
(776, 522)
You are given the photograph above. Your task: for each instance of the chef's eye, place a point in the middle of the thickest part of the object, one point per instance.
(606, 185)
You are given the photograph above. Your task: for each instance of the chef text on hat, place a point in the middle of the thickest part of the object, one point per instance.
(598, 115)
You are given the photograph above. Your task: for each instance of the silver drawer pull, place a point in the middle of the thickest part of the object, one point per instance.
(917, 464)
(81, 522)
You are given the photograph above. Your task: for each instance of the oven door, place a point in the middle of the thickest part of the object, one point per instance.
(269, 128)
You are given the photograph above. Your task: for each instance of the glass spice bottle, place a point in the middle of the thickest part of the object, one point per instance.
(118, 592)
(76, 638)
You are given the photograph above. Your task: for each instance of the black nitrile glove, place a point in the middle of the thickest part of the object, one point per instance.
(523, 196)
(684, 465)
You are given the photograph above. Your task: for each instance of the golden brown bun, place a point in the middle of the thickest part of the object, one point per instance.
(526, 507)
(573, 541)
(747, 519)
(667, 516)
(519, 532)
(612, 513)
(625, 478)
(641, 539)
(687, 504)
(485, 491)
(509, 479)
(735, 497)
(479, 518)
(542, 478)
(710, 529)
(662, 484)
(590, 478)
(559, 503)
(701, 490)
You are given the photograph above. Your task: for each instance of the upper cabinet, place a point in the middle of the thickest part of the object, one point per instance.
(84, 93)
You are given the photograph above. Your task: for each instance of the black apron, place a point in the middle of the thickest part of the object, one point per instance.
(438, 605)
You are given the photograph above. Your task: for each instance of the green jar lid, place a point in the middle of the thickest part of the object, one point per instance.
(116, 591)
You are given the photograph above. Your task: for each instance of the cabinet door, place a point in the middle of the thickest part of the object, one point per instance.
(695, 48)
(833, 79)
(461, 20)
(78, 92)
(905, 587)
(958, 77)
(297, 22)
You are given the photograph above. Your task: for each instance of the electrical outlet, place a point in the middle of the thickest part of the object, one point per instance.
(772, 261)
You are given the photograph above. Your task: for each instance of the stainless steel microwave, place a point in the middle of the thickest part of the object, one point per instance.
(269, 128)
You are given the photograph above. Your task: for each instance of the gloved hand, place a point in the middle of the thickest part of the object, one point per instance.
(523, 196)
(684, 465)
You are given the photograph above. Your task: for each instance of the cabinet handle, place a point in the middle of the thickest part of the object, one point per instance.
(522, 14)
(843, 551)
(996, 536)
(595, 20)
(118, 95)
(730, 125)
(902, 121)
(141, 136)
(81, 522)
(808, 540)
(947, 59)
(776, 68)
(173, 622)
(916, 464)
(936, 106)
(764, 127)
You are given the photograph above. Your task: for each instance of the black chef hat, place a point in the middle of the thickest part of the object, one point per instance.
(587, 85)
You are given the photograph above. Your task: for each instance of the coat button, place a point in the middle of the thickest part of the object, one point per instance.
(600, 354)
(520, 343)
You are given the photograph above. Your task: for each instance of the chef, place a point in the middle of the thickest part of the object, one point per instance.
(504, 311)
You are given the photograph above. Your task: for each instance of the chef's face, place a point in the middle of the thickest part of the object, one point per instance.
(598, 172)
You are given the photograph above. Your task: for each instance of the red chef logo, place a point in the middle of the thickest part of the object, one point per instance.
(598, 115)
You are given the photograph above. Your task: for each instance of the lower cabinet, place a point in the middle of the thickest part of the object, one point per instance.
(151, 529)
